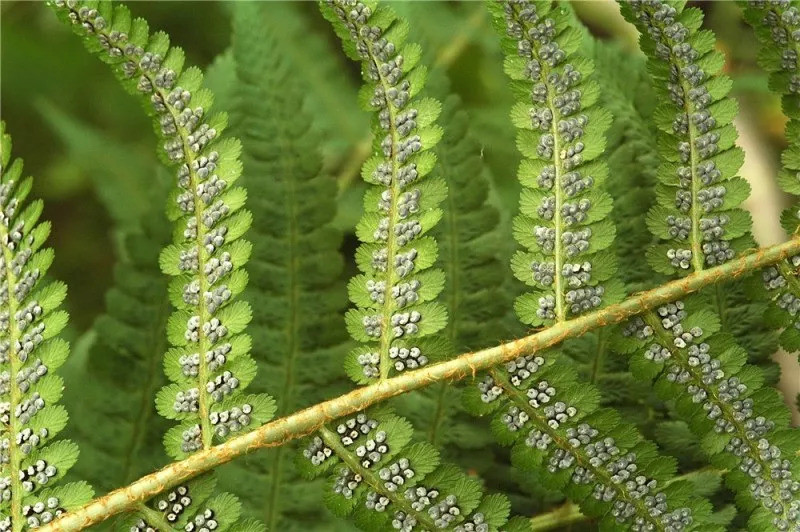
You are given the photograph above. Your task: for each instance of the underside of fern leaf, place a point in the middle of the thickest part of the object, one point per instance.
(30, 352)
(209, 364)
(776, 24)
(741, 422)
(553, 421)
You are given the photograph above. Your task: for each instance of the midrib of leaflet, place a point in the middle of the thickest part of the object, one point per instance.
(14, 393)
(558, 252)
(697, 242)
(394, 189)
(333, 441)
(581, 459)
(712, 395)
(202, 311)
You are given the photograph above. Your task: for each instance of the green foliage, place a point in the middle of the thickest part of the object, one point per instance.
(552, 421)
(628, 180)
(692, 358)
(296, 290)
(412, 484)
(30, 352)
(122, 438)
(209, 363)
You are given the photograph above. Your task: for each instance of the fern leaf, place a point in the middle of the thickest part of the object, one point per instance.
(209, 364)
(408, 490)
(395, 296)
(322, 75)
(553, 421)
(296, 287)
(30, 352)
(774, 25)
(742, 422)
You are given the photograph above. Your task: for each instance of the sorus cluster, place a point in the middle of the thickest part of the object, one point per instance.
(687, 90)
(346, 482)
(784, 299)
(400, 203)
(40, 513)
(724, 399)
(174, 503)
(36, 475)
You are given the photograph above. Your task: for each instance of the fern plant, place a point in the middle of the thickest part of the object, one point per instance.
(628, 223)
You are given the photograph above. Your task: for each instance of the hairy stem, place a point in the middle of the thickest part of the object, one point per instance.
(305, 422)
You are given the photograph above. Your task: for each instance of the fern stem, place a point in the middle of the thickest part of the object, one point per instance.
(695, 213)
(597, 362)
(567, 514)
(391, 244)
(281, 431)
(15, 457)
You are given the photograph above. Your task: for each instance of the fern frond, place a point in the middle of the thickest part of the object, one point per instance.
(296, 288)
(30, 352)
(396, 311)
(209, 364)
(742, 422)
(775, 25)
(698, 212)
(411, 490)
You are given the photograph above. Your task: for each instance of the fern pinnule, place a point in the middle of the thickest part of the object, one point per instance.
(30, 352)
(209, 364)
(743, 424)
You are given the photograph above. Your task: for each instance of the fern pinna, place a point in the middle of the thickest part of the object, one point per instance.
(552, 420)
(30, 352)
(776, 25)
(397, 484)
(743, 427)
(209, 364)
